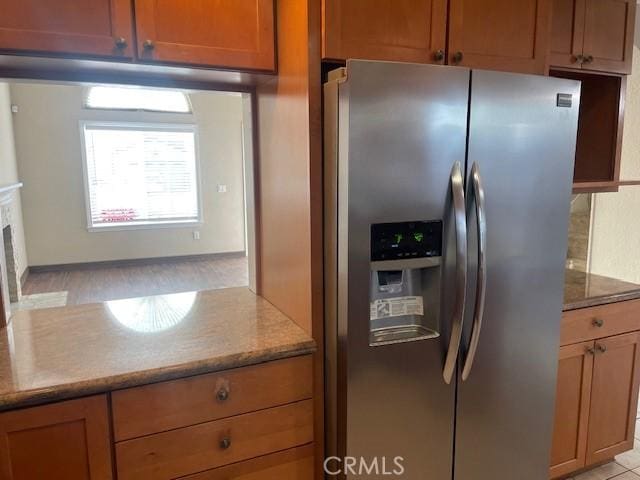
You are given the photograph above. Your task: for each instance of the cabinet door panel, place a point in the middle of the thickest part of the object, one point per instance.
(500, 34)
(608, 34)
(61, 441)
(568, 452)
(567, 32)
(399, 30)
(231, 34)
(86, 27)
(614, 397)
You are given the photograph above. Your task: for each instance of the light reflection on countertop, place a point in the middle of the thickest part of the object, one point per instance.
(64, 352)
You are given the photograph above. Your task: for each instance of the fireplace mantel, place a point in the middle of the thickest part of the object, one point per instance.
(6, 192)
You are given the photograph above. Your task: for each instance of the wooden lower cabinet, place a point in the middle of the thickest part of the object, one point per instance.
(596, 402)
(573, 393)
(614, 396)
(294, 464)
(62, 441)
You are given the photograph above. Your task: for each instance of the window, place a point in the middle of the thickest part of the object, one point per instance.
(140, 175)
(136, 98)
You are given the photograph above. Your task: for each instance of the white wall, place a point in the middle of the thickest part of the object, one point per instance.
(615, 236)
(47, 137)
(9, 175)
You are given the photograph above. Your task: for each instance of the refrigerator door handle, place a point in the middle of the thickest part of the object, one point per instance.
(481, 285)
(460, 220)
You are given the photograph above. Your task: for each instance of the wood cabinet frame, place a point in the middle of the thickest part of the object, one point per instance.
(76, 43)
(168, 52)
(580, 42)
(336, 47)
(597, 423)
(578, 461)
(91, 411)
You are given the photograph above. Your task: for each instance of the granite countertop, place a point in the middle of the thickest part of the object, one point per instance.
(588, 290)
(59, 353)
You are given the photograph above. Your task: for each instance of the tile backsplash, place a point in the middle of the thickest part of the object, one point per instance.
(578, 251)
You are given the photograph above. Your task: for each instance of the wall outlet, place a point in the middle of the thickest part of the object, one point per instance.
(222, 188)
(196, 235)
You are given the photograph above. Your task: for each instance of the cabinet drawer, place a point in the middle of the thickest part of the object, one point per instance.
(598, 322)
(200, 447)
(168, 405)
(294, 464)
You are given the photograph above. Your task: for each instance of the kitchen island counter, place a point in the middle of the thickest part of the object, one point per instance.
(59, 353)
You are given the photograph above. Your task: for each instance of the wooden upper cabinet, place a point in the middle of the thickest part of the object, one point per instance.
(61, 441)
(614, 396)
(238, 34)
(397, 30)
(567, 33)
(500, 34)
(569, 447)
(74, 27)
(593, 34)
(608, 35)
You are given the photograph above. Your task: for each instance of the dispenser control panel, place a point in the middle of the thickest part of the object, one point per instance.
(406, 240)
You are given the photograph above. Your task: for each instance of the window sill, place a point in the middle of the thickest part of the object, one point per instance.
(145, 226)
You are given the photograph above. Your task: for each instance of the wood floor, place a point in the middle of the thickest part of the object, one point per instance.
(111, 283)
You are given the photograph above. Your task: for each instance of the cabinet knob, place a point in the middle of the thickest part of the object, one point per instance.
(121, 43)
(225, 443)
(457, 58)
(601, 348)
(222, 394)
(588, 59)
(578, 59)
(597, 322)
(439, 56)
(590, 351)
(148, 45)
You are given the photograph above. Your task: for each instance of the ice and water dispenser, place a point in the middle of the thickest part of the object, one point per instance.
(406, 262)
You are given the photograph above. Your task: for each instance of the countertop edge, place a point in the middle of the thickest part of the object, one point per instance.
(601, 300)
(36, 397)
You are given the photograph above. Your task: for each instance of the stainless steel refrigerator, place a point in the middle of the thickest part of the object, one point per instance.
(447, 196)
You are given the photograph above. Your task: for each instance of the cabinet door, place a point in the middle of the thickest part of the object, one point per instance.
(84, 27)
(608, 35)
(61, 441)
(500, 34)
(614, 397)
(569, 447)
(398, 30)
(567, 33)
(238, 34)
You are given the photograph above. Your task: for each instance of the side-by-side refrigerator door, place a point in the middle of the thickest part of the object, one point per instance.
(521, 152)
(401, 143)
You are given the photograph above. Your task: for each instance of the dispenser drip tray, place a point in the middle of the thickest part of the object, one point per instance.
(400, 334)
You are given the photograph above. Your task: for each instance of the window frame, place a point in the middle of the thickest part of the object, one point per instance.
(128, 126)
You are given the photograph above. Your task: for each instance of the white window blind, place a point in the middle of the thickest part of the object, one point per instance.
(140, 175)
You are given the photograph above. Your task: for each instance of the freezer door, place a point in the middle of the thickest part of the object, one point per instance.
(521, 151)
(400, 128)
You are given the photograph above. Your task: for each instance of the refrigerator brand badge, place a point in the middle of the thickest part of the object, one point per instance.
(396, 307)
(564, 100)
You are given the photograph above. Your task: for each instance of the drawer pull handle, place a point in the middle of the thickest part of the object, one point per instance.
(225, 443)
(148, 45)
(597, 322)
(590, 351)
(601, 348)
(222, 395)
